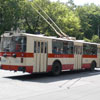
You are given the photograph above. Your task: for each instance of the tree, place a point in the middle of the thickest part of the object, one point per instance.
(90, 19)
(62, 16)
(95, 38)
(10, 14)
(71, 4)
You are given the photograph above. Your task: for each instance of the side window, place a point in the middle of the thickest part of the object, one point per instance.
(34, 46)
(57, 47)
(24, 44)
(45, 47)
(65, 47)
(38, 47)
(81, 50)
(70, 47)
(90, 49)
(42, 47)
(94, 49)
(62, 47)
(86, 49)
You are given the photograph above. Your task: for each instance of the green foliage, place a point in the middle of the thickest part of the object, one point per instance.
(95, 38)
(90, 19)
(20, 13)
(87, 40)
(10, 14)
(65, 19)
(82, 22)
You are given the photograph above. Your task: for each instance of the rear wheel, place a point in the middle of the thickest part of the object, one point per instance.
(56, 68)
(93, 65)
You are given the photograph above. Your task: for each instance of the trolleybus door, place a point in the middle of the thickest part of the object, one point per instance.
(40, 56)
(43, 57)
(78, 57)
(98, 54)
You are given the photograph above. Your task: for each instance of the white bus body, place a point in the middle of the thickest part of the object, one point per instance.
(39, 56)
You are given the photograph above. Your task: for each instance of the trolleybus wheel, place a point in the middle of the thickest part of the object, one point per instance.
(56, 68)
(93, 65)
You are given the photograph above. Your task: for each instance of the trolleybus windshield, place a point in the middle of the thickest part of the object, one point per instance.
(13, 44)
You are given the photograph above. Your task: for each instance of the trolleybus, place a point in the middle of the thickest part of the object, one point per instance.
(37, 53)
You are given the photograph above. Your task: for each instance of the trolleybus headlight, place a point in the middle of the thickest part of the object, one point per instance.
(5, 55)
(22, 69)
(14, 55)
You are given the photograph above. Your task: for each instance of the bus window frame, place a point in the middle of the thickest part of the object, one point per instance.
(63, 48)
(92, 48)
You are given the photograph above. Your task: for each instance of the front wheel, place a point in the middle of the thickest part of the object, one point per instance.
(93, 65)
(56, 68)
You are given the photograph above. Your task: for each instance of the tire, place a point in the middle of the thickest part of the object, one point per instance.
(56, 68)
(93, 65)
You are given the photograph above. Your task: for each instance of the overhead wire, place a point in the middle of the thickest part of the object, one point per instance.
(46, 21)
(51, 20)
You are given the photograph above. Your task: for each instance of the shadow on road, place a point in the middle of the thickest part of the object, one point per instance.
(46, 78)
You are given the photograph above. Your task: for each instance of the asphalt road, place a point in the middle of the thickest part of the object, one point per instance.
(82, 85)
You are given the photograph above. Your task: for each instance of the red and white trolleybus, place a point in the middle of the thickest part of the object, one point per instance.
(37, 53)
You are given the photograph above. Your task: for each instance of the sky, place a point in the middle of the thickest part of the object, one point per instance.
(82, 2)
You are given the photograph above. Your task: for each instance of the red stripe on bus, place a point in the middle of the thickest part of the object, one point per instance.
(89, 56)
(68, 67)
(86, 65)
(29, 69)
(49, 68)
(18, 54)
(60, 56)
(15, 68)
